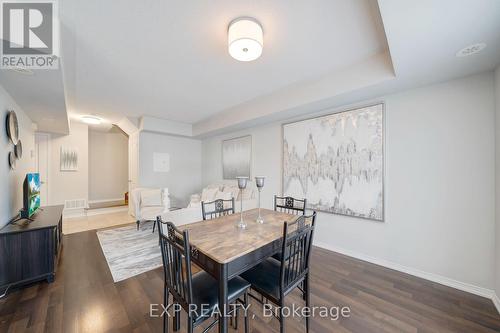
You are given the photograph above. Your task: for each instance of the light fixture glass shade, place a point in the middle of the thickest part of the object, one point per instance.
(245, 39)
(91, 120)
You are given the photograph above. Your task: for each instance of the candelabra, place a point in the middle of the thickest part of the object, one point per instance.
(259, 181)
(242, 184)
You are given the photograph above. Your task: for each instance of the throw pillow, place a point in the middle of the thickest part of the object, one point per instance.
(223, 195)
(235, 191)
(208, 194)
(216, 186)
(151, 198)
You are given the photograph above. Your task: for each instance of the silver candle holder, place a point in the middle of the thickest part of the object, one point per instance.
(242, 184)
(259, 181)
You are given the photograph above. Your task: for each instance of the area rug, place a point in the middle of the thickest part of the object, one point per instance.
(129, 251)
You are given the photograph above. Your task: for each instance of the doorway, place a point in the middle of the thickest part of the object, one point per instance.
(108, 168)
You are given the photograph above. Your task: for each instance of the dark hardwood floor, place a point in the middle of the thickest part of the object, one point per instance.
(84, 298)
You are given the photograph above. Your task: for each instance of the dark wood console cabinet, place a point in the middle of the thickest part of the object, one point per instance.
(29, 252)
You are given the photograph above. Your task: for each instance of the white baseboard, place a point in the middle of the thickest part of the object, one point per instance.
(106, 200)
(480, 291)
(75, 213)
(496, 301)
(107, 210)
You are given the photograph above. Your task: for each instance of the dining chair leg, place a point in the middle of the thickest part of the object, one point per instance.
(245, 313)
(177, 319)
(236, 315)
(308, 300)
(282, 323)
(282, 319)
(165, 304)
(154, 226)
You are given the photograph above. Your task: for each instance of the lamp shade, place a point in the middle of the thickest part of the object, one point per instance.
(245, 39)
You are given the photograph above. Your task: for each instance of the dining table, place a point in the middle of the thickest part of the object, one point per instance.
(224, 251)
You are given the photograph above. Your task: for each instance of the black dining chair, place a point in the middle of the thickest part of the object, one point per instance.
(198, 291)
(275, 279)
(290, 205)
(217, 208)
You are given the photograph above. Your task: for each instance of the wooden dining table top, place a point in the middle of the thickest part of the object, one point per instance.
(222, 241)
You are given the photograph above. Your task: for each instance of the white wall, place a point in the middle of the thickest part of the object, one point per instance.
(439, 182)
(11, 181)
(69, 185)
(108, 165)
(497, 132)
(184, 177)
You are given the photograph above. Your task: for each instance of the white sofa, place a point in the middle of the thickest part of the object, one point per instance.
(193, 213)
(148, 203)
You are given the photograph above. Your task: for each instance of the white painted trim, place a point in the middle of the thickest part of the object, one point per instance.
(108, 210)
(81, 212)
(164, 126)
(480, 291)
(496, 301)
(106, 200)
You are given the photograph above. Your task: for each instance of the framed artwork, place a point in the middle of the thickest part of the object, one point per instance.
(161, 162)
(69, 159)
(336, 162)
(236, 157)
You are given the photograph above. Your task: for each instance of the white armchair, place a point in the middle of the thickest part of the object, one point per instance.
(148, 203)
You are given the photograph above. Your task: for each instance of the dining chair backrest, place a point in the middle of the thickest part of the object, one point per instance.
(290, 205)
(217, 208)
(176, 256)
(296, 251)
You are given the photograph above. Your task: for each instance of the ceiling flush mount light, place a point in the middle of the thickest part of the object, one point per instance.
(245, 39)
(471, 49)
(91, 120)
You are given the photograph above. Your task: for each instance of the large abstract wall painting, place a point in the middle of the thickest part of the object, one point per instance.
(337, 162)
(236, 157)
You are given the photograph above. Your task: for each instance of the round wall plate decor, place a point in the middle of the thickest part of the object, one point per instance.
(18, 149)
(12, 160)
(12, 127)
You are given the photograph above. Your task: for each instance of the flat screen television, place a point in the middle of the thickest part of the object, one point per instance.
(31, 195)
